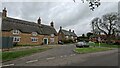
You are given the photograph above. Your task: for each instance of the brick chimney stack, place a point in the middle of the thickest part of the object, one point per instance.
(69, 30)
(39, 21)
(73, 31)
(52, 24)
(4, 13)
(60, 27)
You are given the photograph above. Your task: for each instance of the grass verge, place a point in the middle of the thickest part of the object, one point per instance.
(104, 45)
(6, 56)
(90, 50)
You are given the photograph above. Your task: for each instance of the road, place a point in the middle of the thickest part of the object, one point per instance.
(64, 56)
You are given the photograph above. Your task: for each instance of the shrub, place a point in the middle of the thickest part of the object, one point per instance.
(15, 44)
(68, 41)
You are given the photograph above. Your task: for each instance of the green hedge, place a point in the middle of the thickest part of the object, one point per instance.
(68, 41)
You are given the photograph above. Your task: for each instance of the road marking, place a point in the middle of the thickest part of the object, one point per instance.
(50, 58)
(65, 55)
(31, 61)
(8, 65)
(61, 56)
(72, 55)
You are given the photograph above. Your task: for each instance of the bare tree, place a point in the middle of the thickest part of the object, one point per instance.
(92, 3)
(108, 24)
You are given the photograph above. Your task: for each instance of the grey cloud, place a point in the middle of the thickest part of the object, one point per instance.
(70, 15)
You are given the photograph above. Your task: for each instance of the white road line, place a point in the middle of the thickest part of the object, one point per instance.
(31, 61)
(8, 65)
(65, 55)
(61, 56)
(50, 58)
(72, 55)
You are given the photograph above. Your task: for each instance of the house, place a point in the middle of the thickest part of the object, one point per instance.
(103, 38)
(66, 35)
(28, 33)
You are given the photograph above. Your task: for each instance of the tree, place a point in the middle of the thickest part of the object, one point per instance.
(89, 34)
(83, 35)
(92, 3)
(107, 24)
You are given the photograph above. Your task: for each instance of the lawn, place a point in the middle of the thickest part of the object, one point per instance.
(17, 54)
(104, 45)
(90, 50)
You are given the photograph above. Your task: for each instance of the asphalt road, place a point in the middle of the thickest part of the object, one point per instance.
(64, 56)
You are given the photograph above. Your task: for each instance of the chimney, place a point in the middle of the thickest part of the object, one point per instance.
(60, 27)
(39, 21)
(52, 24)
(4, 13)
(69, 30)
(73, 31)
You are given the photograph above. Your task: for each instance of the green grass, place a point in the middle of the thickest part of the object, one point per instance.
(105, 45)
(17, 54)
(90, 50)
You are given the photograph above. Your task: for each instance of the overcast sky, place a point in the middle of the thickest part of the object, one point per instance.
(69, 15)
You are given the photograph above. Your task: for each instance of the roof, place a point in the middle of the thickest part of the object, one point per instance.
(9, 24)
(0, 14)
(68, 33)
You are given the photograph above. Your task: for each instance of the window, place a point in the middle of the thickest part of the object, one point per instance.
(16, 32)
(52, 40)
(72, 37)
(34, 39)
(16, 39)
(34, 33)
(75, 37)
(67, 37)
(52, 35)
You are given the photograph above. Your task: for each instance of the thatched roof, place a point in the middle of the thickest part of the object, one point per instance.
(68, 33)
(9, 24)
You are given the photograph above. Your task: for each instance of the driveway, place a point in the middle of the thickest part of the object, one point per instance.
(64, 56)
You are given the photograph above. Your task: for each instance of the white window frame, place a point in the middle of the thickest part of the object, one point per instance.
(16, 39)
(52, 40)
(16, 32)
(66, 37)
(34, 39)
(52, 35)
(75, 37)
(72, 37)
(34, 33)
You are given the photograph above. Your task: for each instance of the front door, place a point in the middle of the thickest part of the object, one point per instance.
(45, 41)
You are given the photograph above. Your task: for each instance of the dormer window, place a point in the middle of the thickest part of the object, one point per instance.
(52, 35)
(34, 34)
(16, 32)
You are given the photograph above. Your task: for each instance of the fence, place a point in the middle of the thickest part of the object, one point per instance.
(7, 42)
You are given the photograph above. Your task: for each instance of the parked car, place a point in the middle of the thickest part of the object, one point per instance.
(82, 44)
(60, 42)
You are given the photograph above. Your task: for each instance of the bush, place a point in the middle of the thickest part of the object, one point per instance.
(15, 44)
(117, 43)
(68, 41)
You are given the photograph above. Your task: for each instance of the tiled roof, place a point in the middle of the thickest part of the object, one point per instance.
(68, 33)
(9, 24)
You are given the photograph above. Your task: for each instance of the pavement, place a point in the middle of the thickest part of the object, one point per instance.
(64, 56)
